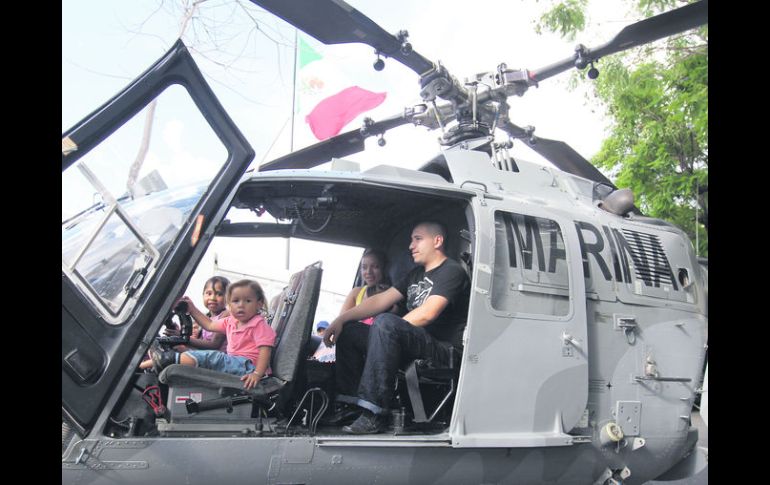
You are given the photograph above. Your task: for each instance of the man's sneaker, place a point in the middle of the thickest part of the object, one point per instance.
(161, 359)
(367, 423)
(343, 414)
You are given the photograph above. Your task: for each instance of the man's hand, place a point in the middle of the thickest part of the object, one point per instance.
(370, 307)
(426, 313)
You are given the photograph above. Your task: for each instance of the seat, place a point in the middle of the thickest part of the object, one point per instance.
(464, 252)
(292, 322)
(425, 372)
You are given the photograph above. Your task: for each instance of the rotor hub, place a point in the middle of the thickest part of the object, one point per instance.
(464, 132)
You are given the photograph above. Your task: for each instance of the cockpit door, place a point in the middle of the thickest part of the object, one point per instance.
(524, 375)
(143, 178)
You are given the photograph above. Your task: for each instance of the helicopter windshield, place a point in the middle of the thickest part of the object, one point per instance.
(110, 259)
(125, 201)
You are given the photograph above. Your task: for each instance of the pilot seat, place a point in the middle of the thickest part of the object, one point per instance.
(210, 402)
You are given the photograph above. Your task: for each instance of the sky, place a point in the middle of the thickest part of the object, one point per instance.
(107, 43)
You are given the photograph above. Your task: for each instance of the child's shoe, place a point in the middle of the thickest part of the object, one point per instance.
(161, 359)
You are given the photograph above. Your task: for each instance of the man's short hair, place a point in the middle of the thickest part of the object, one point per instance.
(434, 228)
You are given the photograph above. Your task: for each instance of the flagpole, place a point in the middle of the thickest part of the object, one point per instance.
(291, 136)
(293, 93)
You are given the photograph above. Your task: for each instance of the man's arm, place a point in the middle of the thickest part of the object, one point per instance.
(374, 305)
(447, 285)
(430, 309)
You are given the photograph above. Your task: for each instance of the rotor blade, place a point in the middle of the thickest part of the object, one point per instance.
(657, 27)
(565, 158)
(314, 155)
(639, 33)
(336, 22)
(337, 146)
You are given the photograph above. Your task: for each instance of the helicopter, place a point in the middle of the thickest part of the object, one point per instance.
(587, 321)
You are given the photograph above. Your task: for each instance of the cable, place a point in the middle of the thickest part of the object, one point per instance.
(151, 396)
(321, 411)
(313, 419)
(309, 229)
(122, 423)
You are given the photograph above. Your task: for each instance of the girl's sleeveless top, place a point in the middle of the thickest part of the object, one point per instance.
(359, 299)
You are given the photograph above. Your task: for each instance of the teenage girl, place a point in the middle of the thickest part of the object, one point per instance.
(373, 272)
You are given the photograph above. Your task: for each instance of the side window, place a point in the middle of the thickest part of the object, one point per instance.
(625, 261)
(648, 256)
(531, 273)
(125, 201)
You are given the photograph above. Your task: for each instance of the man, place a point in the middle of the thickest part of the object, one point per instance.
(436, 295)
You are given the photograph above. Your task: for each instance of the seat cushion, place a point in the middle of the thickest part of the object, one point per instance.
(182, 375)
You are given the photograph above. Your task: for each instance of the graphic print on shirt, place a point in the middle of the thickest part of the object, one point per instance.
(418, 293)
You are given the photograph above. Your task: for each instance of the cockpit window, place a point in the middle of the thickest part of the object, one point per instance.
(125, 201)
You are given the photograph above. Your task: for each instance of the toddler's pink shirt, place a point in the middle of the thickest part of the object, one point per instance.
(245, 341)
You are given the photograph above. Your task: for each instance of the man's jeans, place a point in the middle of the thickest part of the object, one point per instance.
(392, 344)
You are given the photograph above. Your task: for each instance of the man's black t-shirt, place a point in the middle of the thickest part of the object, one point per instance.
(448, 280)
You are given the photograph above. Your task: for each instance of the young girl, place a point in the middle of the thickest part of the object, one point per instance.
(249, 338)
(214, 292)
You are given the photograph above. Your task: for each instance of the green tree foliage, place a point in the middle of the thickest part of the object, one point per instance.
(567, 17)
(656, 98)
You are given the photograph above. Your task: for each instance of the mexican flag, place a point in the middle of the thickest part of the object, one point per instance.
(326, 97)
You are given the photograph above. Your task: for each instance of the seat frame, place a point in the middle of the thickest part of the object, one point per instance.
(422, 371)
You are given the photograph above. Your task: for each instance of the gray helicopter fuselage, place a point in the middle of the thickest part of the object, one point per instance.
(630, 351)
(583, 352)
(329, 460)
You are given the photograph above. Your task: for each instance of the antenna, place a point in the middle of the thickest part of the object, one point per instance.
(294, 90)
